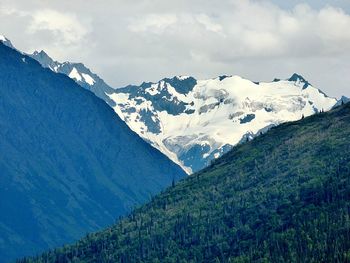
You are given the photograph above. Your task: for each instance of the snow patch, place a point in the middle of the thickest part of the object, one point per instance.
(218, 106)
(74, 74)
(182, 77)
(88, 79)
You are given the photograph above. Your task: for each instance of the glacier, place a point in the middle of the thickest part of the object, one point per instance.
(196, 121)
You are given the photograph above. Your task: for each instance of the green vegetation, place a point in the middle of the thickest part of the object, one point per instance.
(283, 197)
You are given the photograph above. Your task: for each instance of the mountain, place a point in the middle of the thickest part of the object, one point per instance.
(79, 73)
(341, 101)
(6, 41)
(282, 197)
(196, 121)
(68, 164)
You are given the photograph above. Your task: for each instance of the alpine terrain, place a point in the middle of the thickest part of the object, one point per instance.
(282, 197)
(195, 121)
(79, 73)
(68, 164)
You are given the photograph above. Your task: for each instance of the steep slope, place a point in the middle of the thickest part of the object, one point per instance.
(68, 164)
(342, 101)
(195, 121)
(283, 197)
(79, 73)
(6, 41)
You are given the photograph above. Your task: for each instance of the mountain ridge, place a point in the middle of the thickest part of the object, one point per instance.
(6, 41)
(209, 127)
(198, 125)
(78, 72)
(282, 197)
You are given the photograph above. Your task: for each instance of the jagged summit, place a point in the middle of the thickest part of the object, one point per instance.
(296, 77)
(300, 79)
(195, 121)
(222, 77)
(182, 77)
(44, 59)
(3, 38)
(342, 100)
(6, 41)
(182, 84)
(79, 73)
(41, 53)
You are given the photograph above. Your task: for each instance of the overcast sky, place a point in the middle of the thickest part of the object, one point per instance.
(131, 41)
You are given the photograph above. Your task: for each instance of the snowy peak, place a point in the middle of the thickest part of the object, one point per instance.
(195, 121)
(79, 76)
(182, 84)
(43, 55)
(79, 73)
(299, 80)
(6, 41)
(45, 60)
(76, 71)
(297, 77)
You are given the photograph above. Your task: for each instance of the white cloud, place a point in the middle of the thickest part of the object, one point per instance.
(153, 23)
(208, 23)
(251, 29)
(259, 30)
(334, 27)
(133, 41)
(64, 26)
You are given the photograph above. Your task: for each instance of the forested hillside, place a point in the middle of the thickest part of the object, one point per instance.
(283, 197)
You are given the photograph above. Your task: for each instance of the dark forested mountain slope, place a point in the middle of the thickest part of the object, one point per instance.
(283, 197)
(68, 164)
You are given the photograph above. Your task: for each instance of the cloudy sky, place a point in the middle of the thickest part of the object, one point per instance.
(128, 41)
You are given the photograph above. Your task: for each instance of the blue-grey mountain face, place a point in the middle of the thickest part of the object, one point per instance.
(298, 78)
(68, 164)
(79, 73)
(342, 100)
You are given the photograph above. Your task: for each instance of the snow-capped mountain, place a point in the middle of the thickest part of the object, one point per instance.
(6, 41)
(79, 73)
(194, 121)
(76, 71)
